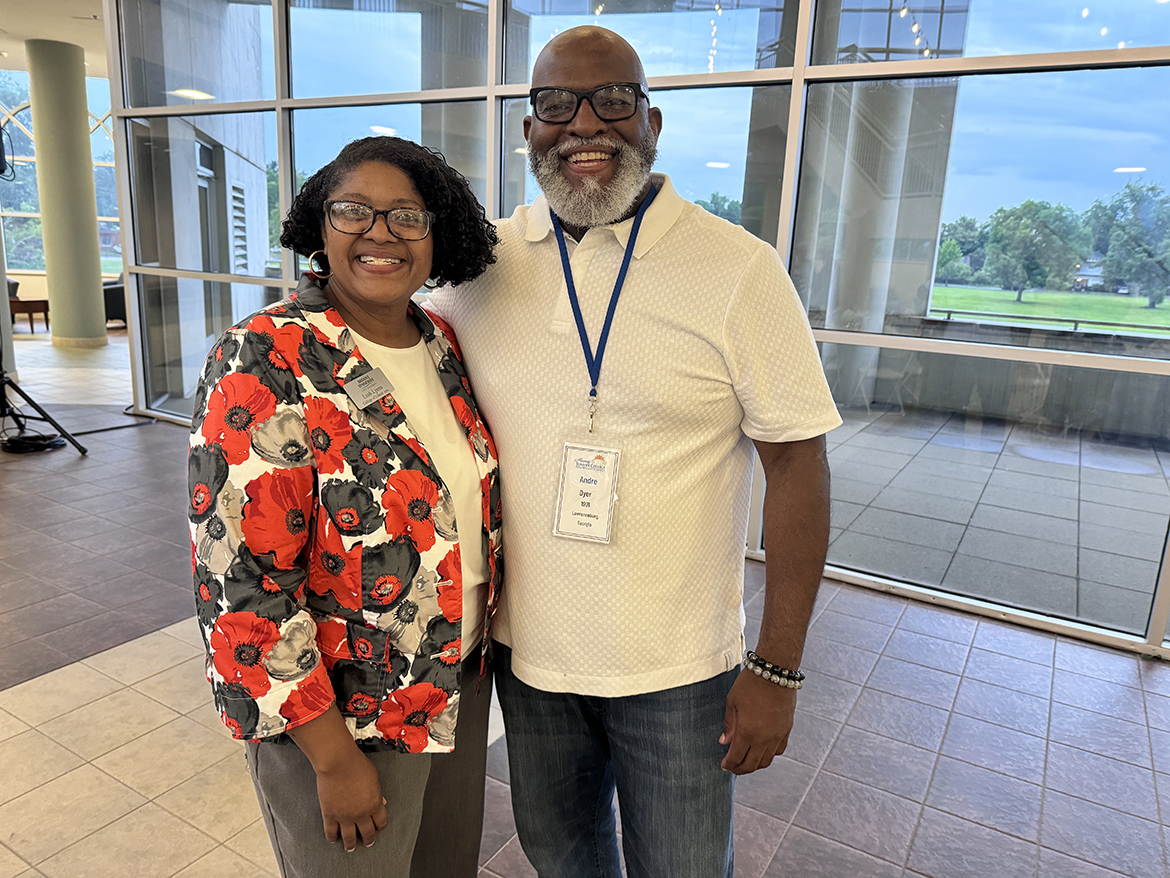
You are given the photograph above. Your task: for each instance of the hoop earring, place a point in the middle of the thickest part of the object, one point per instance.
(431, 284)
(318, 273)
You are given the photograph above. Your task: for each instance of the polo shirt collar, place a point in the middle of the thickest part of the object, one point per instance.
(660, 216)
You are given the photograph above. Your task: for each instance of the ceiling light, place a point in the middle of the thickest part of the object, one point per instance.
(192, 93)
(382, 129)
(1128, 170)
(718, 164)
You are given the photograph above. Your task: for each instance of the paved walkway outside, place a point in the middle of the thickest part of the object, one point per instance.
(1064, 523)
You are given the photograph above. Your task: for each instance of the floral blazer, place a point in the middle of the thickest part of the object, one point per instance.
(324, 545)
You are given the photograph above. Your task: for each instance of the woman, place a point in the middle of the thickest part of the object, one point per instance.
(345, 518)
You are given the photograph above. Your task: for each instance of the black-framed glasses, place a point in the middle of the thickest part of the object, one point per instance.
(611, 103)
(356, 218)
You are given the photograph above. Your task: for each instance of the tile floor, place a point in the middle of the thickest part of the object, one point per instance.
(928, 744)
(1063, 523)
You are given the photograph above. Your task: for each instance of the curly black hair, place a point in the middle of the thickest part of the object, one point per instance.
(464, 239)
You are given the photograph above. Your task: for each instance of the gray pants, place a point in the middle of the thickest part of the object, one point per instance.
(434, 802)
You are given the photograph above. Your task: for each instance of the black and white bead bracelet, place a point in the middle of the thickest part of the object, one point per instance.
(780, 676)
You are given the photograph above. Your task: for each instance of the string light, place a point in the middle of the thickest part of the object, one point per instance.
(916, 29)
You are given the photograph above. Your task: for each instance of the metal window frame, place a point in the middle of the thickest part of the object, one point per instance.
(798, 76)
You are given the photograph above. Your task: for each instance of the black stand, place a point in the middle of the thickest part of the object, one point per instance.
(7, 410)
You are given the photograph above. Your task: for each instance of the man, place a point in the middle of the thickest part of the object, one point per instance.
(625, 399)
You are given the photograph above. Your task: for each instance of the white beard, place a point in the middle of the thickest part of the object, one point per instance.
(593, 204)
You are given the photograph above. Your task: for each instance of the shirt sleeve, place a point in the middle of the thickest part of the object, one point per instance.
(251, 506)
(772, 358)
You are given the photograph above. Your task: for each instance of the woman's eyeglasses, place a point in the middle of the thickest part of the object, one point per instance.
(355, 218)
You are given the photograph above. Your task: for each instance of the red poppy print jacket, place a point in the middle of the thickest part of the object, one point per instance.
(324, 546)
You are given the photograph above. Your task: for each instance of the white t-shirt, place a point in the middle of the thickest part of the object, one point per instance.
(419, 392)
(710, 348)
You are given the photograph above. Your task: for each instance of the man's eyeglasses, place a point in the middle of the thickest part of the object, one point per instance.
(611, 103)
(355, 218)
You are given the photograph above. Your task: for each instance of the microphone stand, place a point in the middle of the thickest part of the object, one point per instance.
(7, 410)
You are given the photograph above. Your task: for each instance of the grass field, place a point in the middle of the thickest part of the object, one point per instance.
(1041, 304)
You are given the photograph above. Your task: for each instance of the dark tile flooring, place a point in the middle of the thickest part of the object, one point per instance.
(94, 549)
(928, 742)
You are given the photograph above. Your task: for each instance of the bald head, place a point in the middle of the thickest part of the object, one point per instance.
(589, 51)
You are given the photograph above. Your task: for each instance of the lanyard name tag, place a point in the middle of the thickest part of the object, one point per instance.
(368, 388)
(587, 493)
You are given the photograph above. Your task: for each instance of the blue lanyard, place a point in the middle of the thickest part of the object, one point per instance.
(593, 360)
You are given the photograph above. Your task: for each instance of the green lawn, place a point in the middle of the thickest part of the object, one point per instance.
(1040, 304)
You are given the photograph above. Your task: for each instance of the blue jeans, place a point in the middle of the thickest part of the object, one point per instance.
(567, 754)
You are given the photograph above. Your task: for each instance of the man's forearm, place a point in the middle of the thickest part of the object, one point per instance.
(796, 537)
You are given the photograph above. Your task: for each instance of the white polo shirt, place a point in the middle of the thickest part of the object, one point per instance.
(710, 348)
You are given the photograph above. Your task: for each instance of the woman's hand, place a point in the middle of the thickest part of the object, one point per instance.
(348, 789)
(352, 803)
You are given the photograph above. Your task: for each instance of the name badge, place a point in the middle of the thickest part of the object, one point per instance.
(368, 388)
(587, 493)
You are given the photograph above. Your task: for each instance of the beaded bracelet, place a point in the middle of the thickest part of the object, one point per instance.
(781, 676)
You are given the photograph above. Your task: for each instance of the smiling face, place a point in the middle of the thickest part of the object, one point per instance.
(592, 172)
(375, 273)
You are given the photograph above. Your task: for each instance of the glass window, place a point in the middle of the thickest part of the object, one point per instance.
(182, 318)
(455, 129)
(859, 31)
(1036, 486)
(721, 147)
(199, 191)
(400, 47)
(189, 51)
(707, 36)
(1014, 209)
(23, 246)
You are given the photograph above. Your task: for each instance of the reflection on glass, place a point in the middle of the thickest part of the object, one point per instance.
(1037, 486)
(191, 51)
(181, 319)
(454, 129)
(708, 36)
(722, 148)
(1014, 209)
(399, 47)
(201, 191)
(899, 30)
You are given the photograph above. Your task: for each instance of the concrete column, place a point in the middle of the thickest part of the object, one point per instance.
(56, 73)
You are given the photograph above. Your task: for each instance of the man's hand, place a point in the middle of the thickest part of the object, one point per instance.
(351, 799)
(757, 723)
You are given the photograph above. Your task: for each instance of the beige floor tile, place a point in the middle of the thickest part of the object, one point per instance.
(223, 863)
(53, 816)
(29, 760)
(10, 726)
(186, 631)
(56, 693)
(182, 688)
(253, 844)
(166, 757)
(147, 842)
(142, 657)
(219, 800)
(207, 715)
(108, 723)
(12, 866)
